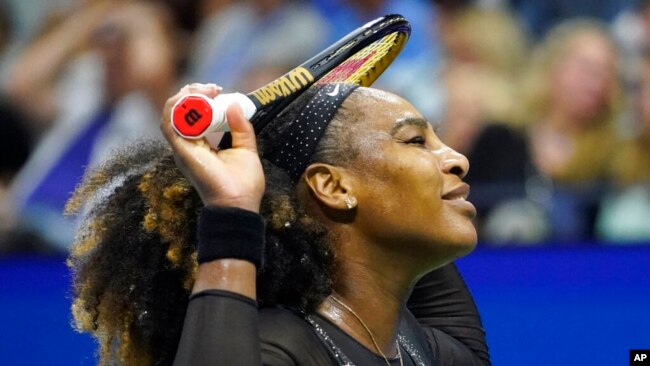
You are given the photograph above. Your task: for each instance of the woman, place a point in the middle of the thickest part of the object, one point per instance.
(573, 100)
(357, 199)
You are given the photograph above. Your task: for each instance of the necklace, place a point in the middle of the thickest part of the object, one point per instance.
(372, 337)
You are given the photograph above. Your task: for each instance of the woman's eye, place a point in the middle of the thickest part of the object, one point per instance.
(418, 140)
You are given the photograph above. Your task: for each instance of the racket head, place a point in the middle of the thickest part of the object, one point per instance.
(358, 58)
(366, 65)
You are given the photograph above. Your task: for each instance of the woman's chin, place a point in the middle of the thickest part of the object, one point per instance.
(464, 242)
(461, 243)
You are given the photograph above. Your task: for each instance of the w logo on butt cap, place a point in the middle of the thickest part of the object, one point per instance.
(192, 116)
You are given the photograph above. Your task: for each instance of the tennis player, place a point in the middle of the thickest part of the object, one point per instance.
(327, 239)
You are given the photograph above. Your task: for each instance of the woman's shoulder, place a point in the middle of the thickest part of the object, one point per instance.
(288, 339)
(279, 318)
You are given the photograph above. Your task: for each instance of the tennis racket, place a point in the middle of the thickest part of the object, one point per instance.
(358, 58)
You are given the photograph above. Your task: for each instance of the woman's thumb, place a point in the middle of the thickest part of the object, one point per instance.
(243, 134)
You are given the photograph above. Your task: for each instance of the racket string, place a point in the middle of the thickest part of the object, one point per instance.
(365, 66)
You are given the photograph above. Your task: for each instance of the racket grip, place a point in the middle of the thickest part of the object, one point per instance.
(196, 115)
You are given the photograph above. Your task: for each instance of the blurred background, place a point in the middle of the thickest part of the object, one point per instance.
(550, 101)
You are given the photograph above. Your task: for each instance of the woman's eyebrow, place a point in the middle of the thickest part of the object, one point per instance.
(418, 122)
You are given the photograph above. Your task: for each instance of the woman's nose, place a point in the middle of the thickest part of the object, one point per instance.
(454, 162)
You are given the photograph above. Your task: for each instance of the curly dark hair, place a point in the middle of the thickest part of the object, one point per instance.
(134, 257)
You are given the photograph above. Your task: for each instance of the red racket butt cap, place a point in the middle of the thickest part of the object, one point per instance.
(192, 115)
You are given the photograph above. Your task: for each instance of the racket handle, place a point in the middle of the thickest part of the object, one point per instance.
(196, 115)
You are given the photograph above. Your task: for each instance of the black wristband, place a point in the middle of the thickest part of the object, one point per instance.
(230, 232)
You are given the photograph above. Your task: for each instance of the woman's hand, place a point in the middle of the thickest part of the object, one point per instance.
(230, 177)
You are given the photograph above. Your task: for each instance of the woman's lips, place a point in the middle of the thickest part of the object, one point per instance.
(457, 198)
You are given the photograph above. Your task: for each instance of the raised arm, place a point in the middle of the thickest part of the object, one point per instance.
(32, 81)
(221, 322)
(443, 305)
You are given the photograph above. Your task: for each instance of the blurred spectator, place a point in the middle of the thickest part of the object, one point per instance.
(267, 37)
(573, 102)
(485, 53)
(112, 67)
(40, 75)
(625, 214)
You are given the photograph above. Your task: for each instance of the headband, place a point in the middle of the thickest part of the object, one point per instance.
(297, 143)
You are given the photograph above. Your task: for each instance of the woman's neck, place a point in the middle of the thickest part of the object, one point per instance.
(368, 303)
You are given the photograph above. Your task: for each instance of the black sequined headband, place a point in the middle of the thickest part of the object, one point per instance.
(299, 140)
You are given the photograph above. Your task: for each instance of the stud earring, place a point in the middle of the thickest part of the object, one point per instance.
(350, 202)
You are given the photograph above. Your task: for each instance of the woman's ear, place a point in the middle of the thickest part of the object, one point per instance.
(330, 185)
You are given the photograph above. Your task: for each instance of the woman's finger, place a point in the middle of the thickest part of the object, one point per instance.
(243, 134)
(178, 143)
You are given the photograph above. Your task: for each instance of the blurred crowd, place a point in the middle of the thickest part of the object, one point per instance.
(550, 100)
